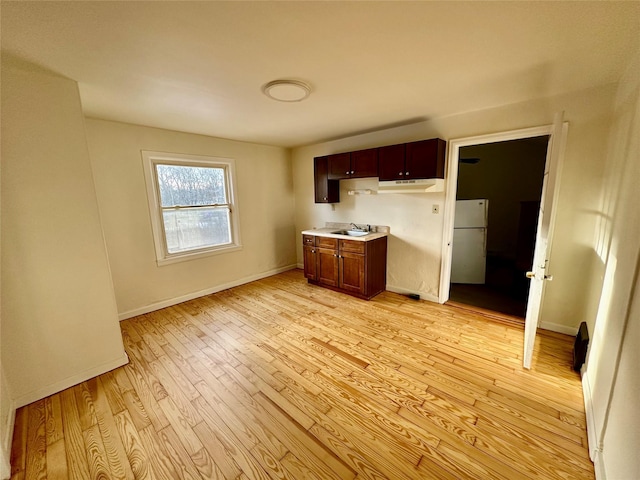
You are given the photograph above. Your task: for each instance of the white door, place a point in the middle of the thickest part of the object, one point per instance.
(539, 272)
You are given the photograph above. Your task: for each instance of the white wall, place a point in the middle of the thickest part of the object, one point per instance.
(266, 209)
(59, 318)
(415, 242)
(621, 439)
(611, 379)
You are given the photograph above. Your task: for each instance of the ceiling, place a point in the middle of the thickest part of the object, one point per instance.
(199, 66)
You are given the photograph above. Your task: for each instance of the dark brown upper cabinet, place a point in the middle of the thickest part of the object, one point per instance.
(339, 166)
(326, 191)
(360, 164)
(364, 163)
(423, 159)
(391, 162)
(405, 161)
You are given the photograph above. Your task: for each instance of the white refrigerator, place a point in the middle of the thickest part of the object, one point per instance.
(469, 256)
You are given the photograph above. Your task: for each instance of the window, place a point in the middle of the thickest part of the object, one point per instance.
(191, 202)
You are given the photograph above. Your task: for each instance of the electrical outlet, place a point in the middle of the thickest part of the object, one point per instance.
(435, 209)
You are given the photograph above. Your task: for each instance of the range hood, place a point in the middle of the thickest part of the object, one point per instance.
(425, 185)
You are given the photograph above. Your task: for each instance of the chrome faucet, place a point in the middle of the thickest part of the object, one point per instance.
(361, 229)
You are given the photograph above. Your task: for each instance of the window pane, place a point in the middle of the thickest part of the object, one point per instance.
(187, 186)
(197, 228)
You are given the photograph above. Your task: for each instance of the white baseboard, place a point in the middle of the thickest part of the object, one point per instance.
(43, 392)
(404, 291)
(190, 296)
(558, 328)
(5, 448)
(26, 399)
(598, 466)
(592, 434)
(5, 466)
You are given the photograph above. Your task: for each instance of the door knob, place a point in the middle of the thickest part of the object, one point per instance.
(530, 275)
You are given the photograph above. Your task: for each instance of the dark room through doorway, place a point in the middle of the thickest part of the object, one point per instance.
(501, 181)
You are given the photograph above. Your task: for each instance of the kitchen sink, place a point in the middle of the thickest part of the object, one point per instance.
(351, 233)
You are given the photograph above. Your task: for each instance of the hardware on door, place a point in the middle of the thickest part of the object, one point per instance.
(531, 274)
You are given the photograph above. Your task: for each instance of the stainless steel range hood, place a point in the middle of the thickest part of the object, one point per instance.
(412, 186)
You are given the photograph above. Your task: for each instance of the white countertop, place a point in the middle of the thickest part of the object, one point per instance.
(326, 232)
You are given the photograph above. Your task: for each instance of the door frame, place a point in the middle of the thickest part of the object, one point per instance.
(451, 188)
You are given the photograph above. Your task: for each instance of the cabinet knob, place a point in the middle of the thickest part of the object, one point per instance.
(347, 172)
(406, 173)
(324, 198)
(400, 173)
(351, 172)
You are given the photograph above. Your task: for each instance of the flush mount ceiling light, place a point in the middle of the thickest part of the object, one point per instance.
(287, 90)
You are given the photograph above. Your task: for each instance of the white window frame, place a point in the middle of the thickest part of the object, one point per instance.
(149, 161)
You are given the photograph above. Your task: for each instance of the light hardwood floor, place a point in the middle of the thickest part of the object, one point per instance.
(279, 379)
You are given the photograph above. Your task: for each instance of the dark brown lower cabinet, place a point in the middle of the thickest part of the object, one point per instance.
(358, 268)
(327, 267)
(351, 273)
(310, 270)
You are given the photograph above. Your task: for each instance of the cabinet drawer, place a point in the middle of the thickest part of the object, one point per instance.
(352, 246)
(327, 242)
(308, 240)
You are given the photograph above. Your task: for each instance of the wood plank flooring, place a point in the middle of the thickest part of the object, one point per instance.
(278, 379)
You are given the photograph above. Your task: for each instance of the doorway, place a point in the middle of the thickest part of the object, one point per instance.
(493, 248)
(454, 148)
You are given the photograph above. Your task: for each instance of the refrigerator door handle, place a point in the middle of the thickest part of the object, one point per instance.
(484, 244)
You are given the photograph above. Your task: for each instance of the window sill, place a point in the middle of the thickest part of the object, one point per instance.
(187, 256)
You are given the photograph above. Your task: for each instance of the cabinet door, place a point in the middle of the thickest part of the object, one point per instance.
(352, 272)
(327, 266)
(326, 191)
(364, 163)
(424, 159)
(310, 262)
(339, 166)
(391, 162)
